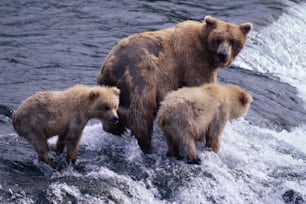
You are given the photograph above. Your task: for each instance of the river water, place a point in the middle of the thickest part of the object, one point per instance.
(48, 45)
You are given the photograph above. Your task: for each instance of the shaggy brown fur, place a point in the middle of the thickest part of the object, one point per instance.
(199, 114)
(146, 66)
(64, 113)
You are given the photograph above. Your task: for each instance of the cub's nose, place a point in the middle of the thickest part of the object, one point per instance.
(222, 56)
(114, 120)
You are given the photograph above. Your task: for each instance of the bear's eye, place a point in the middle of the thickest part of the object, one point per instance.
(218, 41)
(233, 42)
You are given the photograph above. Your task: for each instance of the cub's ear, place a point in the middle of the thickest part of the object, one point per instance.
(210, 21)
(245, 98)
(93, 95)
(246, 27)
(116, 91)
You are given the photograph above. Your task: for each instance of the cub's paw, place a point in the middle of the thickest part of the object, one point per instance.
(194, 161)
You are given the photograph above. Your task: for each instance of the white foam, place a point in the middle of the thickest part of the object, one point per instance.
(296, 138)
(19, 197)
(94, 137)
(57, 192)
(137, 189)
(279, 48)
(254, 165)
(250, 168)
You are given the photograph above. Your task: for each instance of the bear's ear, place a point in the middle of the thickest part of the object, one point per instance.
(245, 98)
(246, 27)
(116, 91)
(93, 95)
(210, 21)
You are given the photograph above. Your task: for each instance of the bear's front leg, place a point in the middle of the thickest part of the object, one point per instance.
(144, 137)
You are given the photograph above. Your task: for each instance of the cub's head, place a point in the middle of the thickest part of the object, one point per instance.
(104, 103)
(238, 100)
(224, 40)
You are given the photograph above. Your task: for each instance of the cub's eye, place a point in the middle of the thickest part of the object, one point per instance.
(106, 108)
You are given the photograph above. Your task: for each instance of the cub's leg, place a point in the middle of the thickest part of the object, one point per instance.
(39, 141)
(214, 143)
(60, 144)
(213, 134)
(73, 140)
(190, 149)
(173, 148)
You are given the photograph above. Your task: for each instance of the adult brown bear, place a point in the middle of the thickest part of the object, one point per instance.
(146, 66)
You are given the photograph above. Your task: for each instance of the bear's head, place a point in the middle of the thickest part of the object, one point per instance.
(104, 103)
(238, 101)
(224, 40)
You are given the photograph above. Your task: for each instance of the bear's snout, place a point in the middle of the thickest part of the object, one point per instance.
(224, 53)
(223, 56)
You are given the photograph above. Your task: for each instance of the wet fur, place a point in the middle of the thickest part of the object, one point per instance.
(199, 114)
(63, 113)
(146, 66)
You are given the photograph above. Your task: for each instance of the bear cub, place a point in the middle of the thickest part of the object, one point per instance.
(199, 114)
(64, 113)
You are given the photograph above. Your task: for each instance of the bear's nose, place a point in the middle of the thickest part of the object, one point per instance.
(222, 56)
(114, 120)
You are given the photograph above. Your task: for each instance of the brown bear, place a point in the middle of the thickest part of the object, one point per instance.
(146, 66)
(64, 113)
(199, 114)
